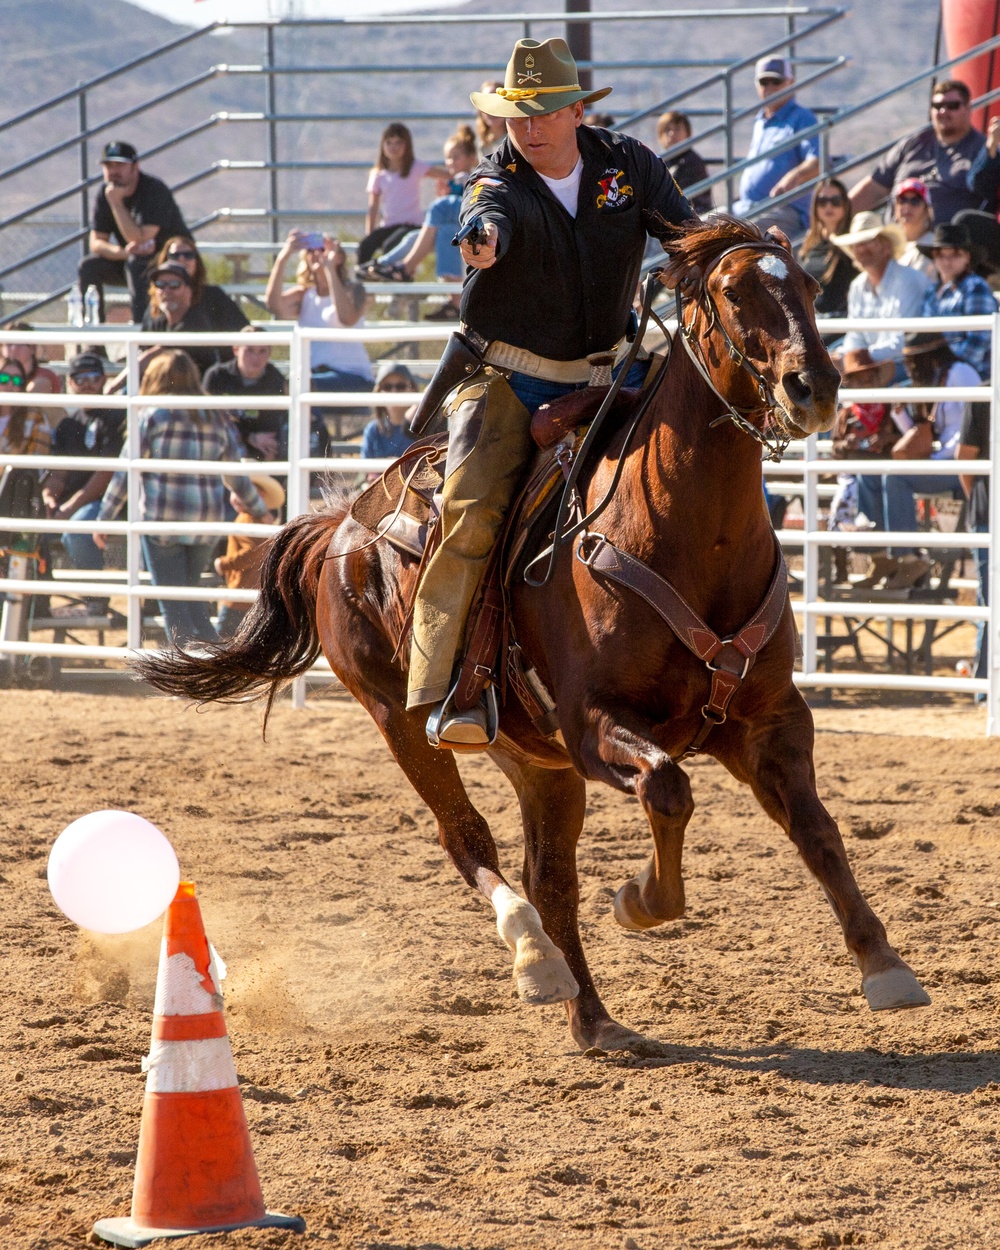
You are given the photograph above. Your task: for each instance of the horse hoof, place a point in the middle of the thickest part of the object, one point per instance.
(544, 981)
(894, 989)
(629, 911)
(610, 1035)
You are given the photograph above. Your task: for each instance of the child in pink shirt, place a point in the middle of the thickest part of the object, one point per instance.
(394, 192)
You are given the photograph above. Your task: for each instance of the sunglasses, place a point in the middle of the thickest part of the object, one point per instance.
(829, 201)
(910, 199)
(183, 255)
(395, 386)
(11, 379)
(947, 106)
(168, 284)
(85, 377)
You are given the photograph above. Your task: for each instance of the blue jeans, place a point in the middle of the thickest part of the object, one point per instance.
(181, 564)
(533, 392)
(982, 598)
(898, 499)
(83, 552)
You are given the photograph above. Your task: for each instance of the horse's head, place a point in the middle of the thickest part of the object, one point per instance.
(755, 324)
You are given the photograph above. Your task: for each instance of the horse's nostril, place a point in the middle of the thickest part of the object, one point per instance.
(797, 387)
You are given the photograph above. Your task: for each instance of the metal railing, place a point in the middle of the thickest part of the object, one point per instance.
(800, 23)
(300, 469)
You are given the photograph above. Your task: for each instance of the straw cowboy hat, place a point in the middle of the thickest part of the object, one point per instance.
(541, 78)
(858, 365)
(269, 489)
(868, 226)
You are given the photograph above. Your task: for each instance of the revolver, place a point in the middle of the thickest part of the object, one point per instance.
(473, 232)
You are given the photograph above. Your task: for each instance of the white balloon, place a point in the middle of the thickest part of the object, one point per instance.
(112, 872)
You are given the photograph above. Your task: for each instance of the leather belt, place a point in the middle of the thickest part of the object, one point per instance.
(518, 360)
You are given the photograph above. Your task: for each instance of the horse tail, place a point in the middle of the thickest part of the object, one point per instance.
(276, 640)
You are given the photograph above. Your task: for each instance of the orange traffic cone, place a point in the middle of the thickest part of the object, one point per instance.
(195, 1171)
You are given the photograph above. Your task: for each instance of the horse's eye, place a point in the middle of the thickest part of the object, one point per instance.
(731, 295)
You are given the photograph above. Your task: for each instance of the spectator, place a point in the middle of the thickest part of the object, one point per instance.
(984, 183)
(176, 434)
(490, 131)
(772, 176)
(172, 309)
(250, 372)
(911, 210)
(388, 434)
(40, 380)
(141, 213)
(959, 293)
(240, 567)
(974, 444)
(941, 155)
(23, 431)
(394, 192)
(440, 225)
(222, 312)
(324, 297)
(603, 121)
(931, 432)
(75, 495)
(686, 167)
(884, 288)
(833, 269)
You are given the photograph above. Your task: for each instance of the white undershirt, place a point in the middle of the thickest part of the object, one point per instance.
(566, 190)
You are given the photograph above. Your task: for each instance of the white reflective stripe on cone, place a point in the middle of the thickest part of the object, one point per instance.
(180, 990)
(187, 1067)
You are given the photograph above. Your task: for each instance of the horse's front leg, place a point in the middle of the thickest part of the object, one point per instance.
(619, 748)
(775, 757)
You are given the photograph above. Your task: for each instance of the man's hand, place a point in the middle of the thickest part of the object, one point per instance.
(486, 257)
(993, 136)
(100, 542)
(113, 193)
(142, 248)
(266, 443)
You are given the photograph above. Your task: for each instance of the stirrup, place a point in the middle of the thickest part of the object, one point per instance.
(444, 711)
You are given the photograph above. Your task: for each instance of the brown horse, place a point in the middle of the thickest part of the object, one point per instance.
(629, 695)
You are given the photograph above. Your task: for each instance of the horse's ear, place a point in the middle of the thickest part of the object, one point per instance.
(777, 235)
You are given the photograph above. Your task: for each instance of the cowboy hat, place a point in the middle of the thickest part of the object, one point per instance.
(541, 78)
(868, 226)
(859, 362)
(947, 234)
(270, 490)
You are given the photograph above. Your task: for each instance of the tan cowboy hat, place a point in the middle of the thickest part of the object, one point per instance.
(270, 490)
(859, 363)
(867, 226)
(541, 78)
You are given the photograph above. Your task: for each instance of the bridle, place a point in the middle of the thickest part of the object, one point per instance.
(775, 441)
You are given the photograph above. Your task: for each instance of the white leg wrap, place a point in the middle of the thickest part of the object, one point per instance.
(515, 916)
(540, 969)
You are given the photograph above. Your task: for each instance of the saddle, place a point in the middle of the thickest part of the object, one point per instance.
(403, 509)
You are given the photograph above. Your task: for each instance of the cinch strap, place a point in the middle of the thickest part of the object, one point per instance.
(527, 93)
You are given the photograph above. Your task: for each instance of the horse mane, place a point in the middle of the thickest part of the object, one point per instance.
(696, 244)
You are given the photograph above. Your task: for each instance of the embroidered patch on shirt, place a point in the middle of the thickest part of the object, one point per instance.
(613, 194)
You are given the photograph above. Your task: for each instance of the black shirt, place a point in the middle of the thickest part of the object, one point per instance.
(944, 168)
(834, 271)
(93, 432)
(151, 204)
(226, 379)
(976, 433)
(195, 319)
(222, 311)
(563, 287)
(686, 170)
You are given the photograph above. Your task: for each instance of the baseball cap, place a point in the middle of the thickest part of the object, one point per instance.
(175, 270)
(913, 186)
(776, 68)
(119, 151)
(86, 362)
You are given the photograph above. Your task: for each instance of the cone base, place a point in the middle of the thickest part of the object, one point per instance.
(124, 1231)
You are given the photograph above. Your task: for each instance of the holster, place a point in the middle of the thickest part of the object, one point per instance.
(458, 363)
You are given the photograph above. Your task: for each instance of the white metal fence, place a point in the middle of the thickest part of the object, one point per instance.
(805, 462)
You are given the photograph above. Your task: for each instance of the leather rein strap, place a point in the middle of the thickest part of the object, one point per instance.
(727, 659)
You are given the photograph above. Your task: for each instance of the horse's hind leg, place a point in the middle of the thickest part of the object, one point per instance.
(623, 753)
(776, 761)
(552, 804)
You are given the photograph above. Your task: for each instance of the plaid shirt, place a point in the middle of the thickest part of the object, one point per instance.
(969, 297)
(166, 434)
(37, 440)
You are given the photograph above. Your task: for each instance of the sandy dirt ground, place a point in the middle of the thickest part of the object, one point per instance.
(399, 1096)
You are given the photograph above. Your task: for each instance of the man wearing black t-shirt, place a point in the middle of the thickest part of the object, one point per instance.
(134, 215)
(265, 432)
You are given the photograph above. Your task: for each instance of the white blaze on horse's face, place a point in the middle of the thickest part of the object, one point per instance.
(773, 265)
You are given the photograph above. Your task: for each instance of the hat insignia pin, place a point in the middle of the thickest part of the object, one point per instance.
(529, 75)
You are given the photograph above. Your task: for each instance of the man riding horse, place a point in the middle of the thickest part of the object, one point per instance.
(546, 309)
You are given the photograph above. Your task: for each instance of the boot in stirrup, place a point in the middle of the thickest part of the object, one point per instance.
(472, 730)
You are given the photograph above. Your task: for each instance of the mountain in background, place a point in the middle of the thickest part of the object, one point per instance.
(51, 45)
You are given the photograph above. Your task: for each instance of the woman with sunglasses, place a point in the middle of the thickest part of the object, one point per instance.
(38, 378)
(172, 309)
(221, 310)
(911, 209)
(23, 431)
(829, 214)
(388, 434)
